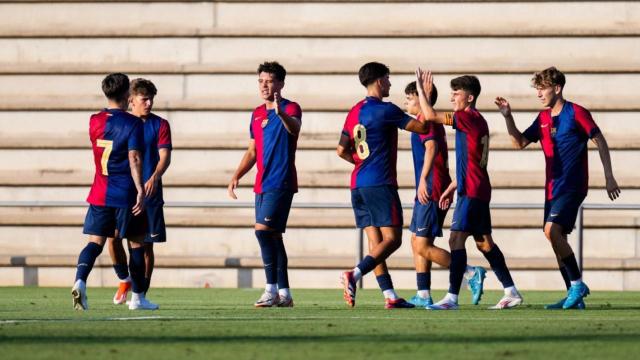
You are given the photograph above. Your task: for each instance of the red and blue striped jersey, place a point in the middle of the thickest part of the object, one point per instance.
(564, 143)
(438, 179)
(472, 154)
(113, 133)
(372, 127)
(157, 135)
(275, 148)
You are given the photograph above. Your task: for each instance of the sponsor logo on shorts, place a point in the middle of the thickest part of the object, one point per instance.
(422, 229)
(267, 219)
(155, 235)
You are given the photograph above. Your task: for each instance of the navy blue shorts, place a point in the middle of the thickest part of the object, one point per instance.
(156, 229)
(105, 221)
(377, 206)
(563, 210)
(427, 220)
(471, 216)
(272, 209)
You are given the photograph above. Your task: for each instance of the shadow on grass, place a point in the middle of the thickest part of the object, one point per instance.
(329, 338)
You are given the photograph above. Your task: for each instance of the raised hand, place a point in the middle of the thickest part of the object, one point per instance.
(276, 102)
(503, 106)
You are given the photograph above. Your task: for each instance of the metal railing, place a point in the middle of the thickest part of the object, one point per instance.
(360, 232)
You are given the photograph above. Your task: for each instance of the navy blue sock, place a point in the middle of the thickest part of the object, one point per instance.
(283, 261)
(571, 266)
(384, 281)
(424, 280)
(565, 276)
(457, 269)
(87, 258)
(147, 284)
(269, 252)
(499, 266)
(136, 269)
(122, 270)
(367, 265)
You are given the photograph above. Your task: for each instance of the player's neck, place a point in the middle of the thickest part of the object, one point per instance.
(269, 104)
(114, 105)
(556, 108)
(375, 93)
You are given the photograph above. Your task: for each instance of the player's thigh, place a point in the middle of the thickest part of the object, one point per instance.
(563, 211)
(272, 210)
(384, 206)
(427, 220)
(132, 227)
(457, 239)
(100, 222)
(471, 216)
(156, 227)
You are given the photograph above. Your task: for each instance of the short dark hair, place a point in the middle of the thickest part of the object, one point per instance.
(273, 67)
(548, 77)
(370, 72)
(411, 89)
(143, 87)
(467, 83)
(115, 86)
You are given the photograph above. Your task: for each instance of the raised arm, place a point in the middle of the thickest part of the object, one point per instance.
(517, 139)
(247, 162)
(135, 164)
(291, 124)
(344, 150)
(424, 85)
(603, 148)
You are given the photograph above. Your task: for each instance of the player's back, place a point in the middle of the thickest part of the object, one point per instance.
(113, 132)
(472, 154)
(372, 126)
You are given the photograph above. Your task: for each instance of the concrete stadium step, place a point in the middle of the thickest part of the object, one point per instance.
(306, 242)
(228, 130)
(299, 217)
(313, 92)
(305, 195)
(310, 55)
(190, 18)
(315, 167)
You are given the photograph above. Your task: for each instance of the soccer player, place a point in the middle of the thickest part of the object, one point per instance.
(369, 140)
(157, 158)
(117, 197)
(431, 168)
(471, 216)
(274, 130)
(563, 130)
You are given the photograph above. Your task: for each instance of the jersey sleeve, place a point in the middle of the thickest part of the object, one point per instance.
(430, 135)
(293, 109)
(585, 121)
(164, 135)
(136, 137)
(533, 132)
(395, 116)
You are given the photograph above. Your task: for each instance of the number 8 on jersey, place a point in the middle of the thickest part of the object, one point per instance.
(360, 139)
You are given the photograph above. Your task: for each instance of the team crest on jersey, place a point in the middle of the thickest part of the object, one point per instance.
(264, 122)
(553, 131)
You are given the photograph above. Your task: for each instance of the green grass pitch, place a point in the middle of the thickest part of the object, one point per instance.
(39, 323)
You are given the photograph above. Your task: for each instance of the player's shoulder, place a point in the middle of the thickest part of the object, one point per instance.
(260, 110)
(578, 109)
